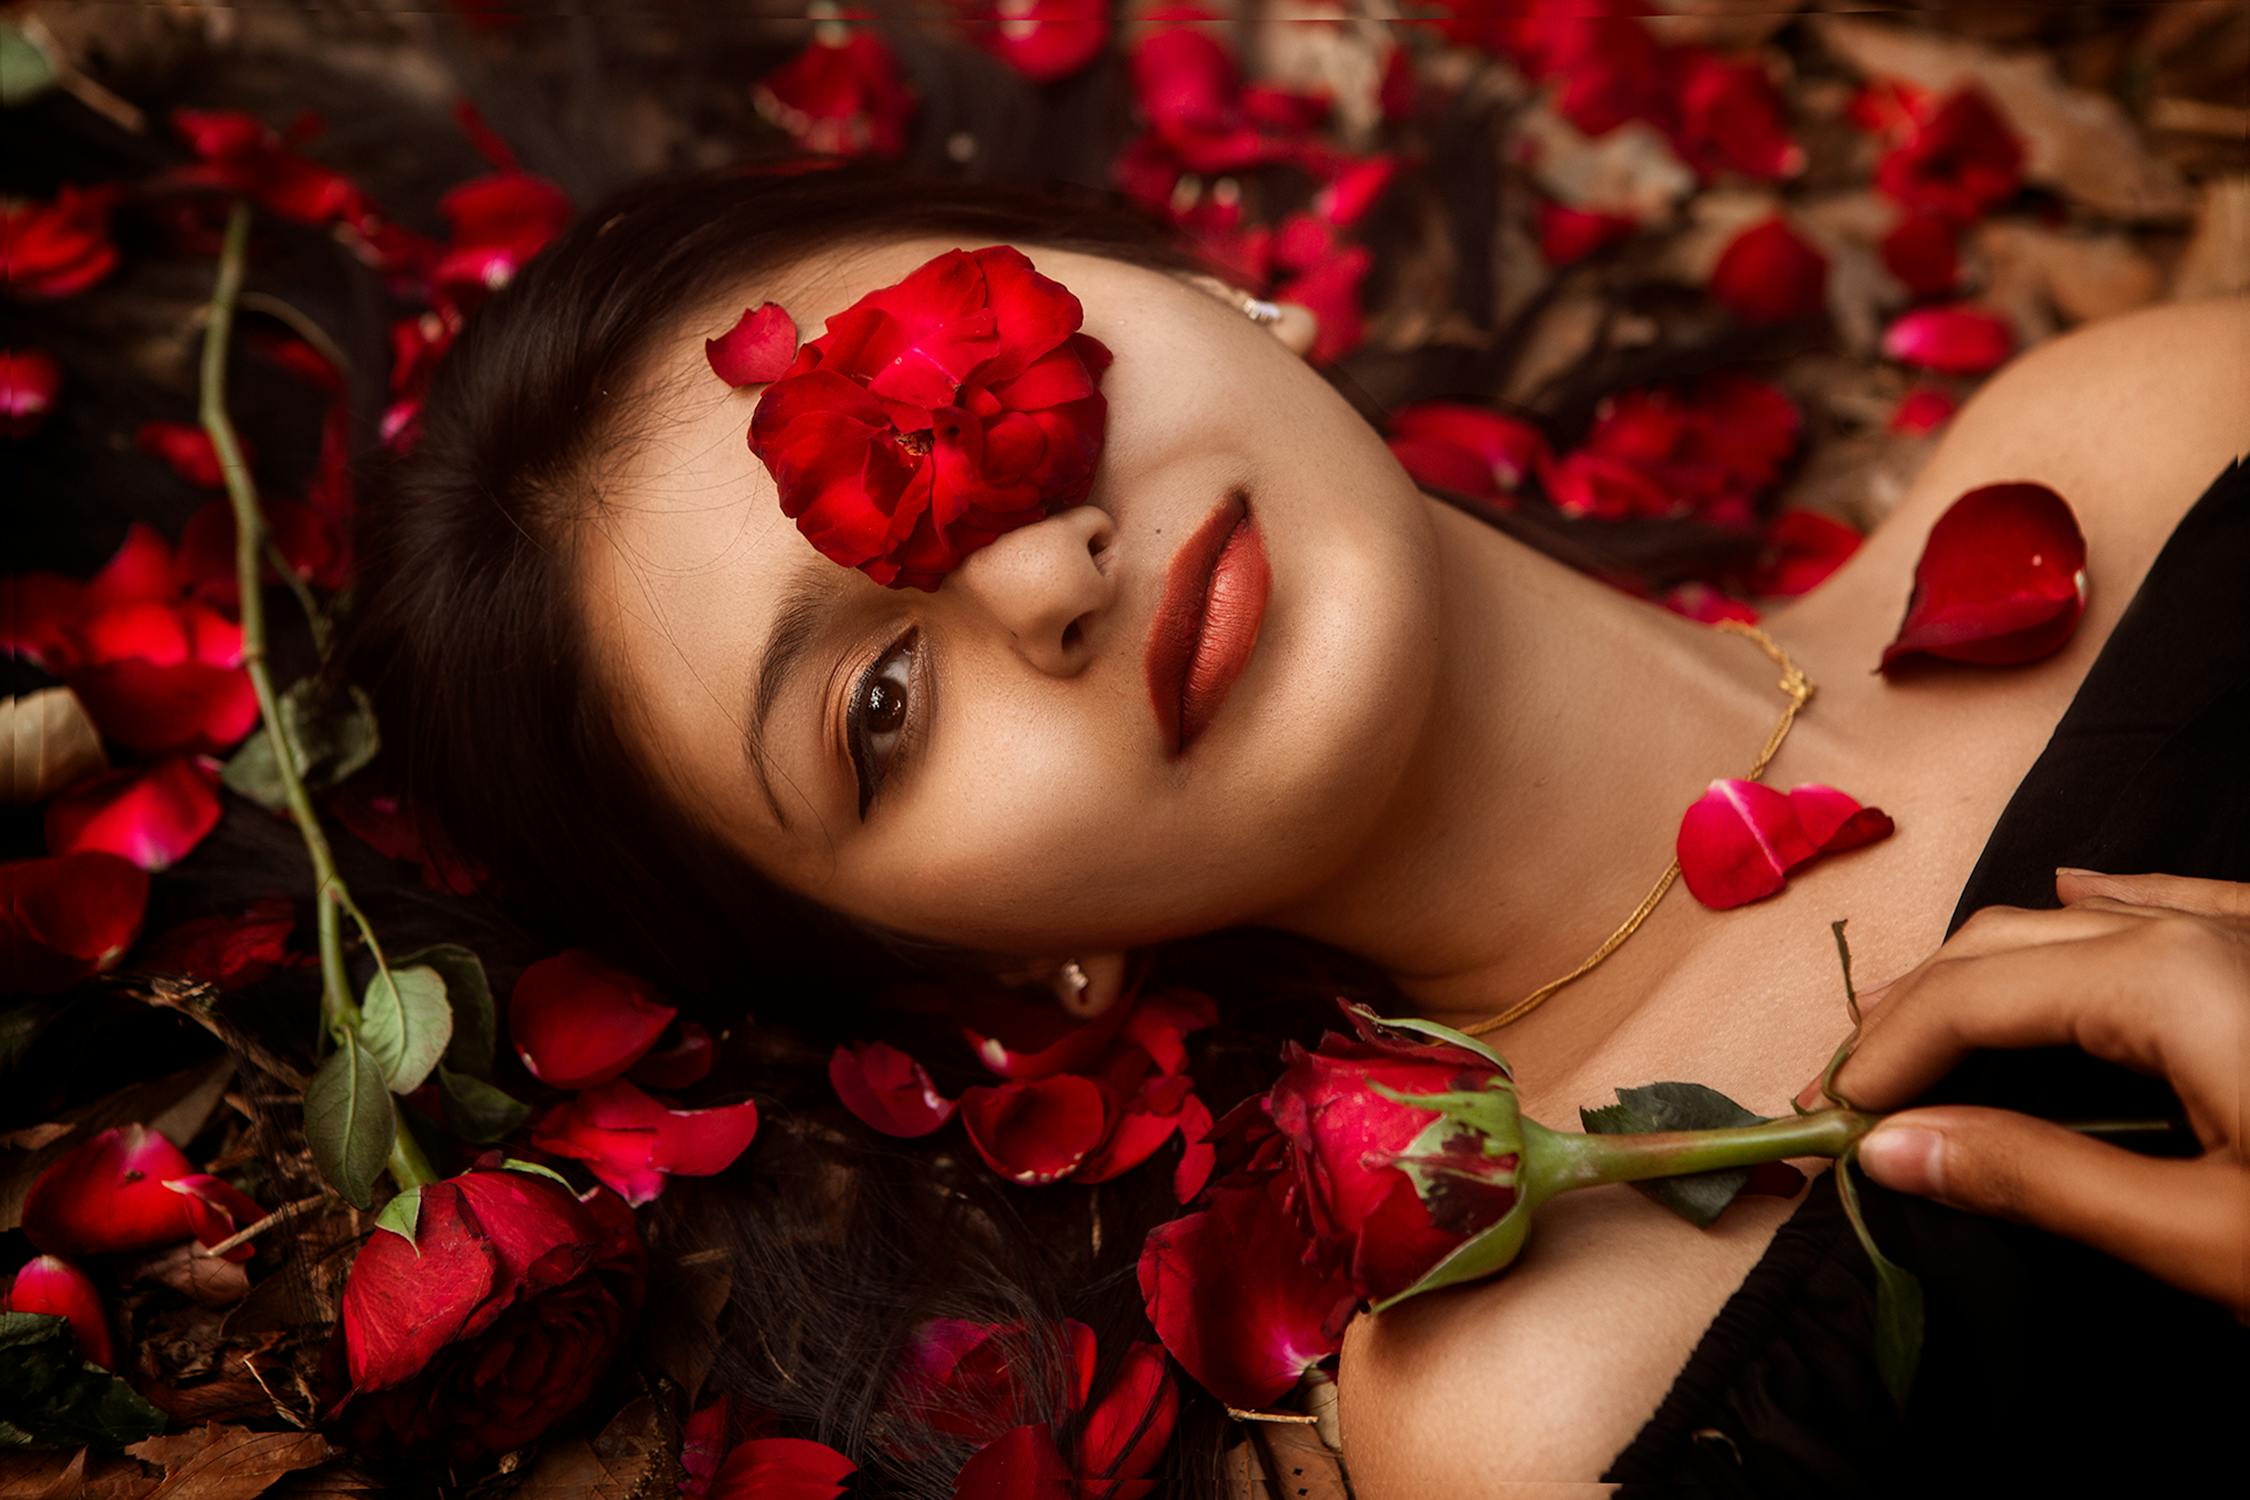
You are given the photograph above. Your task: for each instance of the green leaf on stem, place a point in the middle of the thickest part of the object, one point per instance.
(478, 1112)
(476, 1027)
(403, 1214)
(405, 1023)
(1701, 1197)
(26, 71)
(50, 1397)
(1898, 1296)
(334, 737)
(349, 1121)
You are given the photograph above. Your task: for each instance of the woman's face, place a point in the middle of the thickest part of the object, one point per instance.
(1025, 800)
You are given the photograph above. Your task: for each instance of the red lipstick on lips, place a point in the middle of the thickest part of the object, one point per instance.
(1207, 622)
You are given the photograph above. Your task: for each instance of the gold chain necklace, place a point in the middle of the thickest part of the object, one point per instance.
(1799, 688)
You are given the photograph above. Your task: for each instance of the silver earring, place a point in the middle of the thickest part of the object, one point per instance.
(1260, 311)
(1074, 982)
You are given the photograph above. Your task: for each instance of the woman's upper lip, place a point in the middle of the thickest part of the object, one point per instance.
(1179, 613)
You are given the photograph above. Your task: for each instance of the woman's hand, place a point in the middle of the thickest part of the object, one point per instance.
(2151, 971)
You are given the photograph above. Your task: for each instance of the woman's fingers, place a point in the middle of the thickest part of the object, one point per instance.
(2207, 898)
(2185, 1221)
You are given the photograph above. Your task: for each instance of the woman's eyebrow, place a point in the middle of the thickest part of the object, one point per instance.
(808, 604)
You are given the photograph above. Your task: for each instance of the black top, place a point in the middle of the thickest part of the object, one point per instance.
(2048, 1369)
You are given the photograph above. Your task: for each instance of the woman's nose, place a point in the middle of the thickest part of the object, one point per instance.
(1045, 585)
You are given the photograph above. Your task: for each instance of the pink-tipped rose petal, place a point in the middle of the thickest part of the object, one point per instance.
(632, 1142)
(577, 1021)
(1956, 340)
(888, 1090)
(1036, 1131)
(2001, 580)
(1233, 1299)
(1834, 821)
(1738, 842)
(757, 349)
(152, 815)
(109, 1194)
(214, 1209)
(51, 1285)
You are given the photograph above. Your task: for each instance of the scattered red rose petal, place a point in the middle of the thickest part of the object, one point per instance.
(1739, 840)
(186, 450)
(702, 1445)
(1731, 118)
(888, 1090)
(1923, 251)
(780, 1468)
(389, 827)
(110, 1192)
(1769, 273)
(1569, 235)
(151, 815)
(577, 1021)
(1469, 449)
(844, 95)
(2001, 580)
(311, 541)
(1800, 549)
(49, 1284)
(1959, 160)
(1036, 1131)
(214, 1209)
(967, 1379)
(632, 1142)
(64, 918)
(1955, 340)
(498, 223)
(29, 381)
(57, 249)
(1042, 39)
(1922, 410)
(1127, 1431)
(1703, 603)
(757, 349)
(682, 1064)
(1331, 291)
(1022, 1464)
(230, 952)
(1232, 1297)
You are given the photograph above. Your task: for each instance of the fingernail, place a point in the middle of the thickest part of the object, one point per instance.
(1906, 1157)
(2074, 870)
(1809, 1095)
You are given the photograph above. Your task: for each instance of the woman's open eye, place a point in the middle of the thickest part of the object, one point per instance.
(877, 716)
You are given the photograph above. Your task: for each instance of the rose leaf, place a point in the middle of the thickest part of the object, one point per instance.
(477, 1111)
(349, 1122)
(476, 1028)
(1702, 1196)
(51, 1397)
(406, 1022)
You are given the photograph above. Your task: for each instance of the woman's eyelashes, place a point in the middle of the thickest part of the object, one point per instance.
(881, 712)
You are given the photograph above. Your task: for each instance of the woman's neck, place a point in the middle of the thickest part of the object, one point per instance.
(1571, 726)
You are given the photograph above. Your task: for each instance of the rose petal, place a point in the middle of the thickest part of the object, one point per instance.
(1833, 821)
(1126, 1432)
(1923, 410)
(780, 1468)
(843, 96)
(632, 1142)
(1801, 548)
(1230, 1294)
(1957, 340)
(64, 918)
(577, 1021)
(406, 1300)
(1738, 842)
(1020, 1465)
(1923, 251)
(757, 350)
(1496, 452)
(215, 1209)
(685, 1063)
(150, 815)
(29, 382)
(1199, 1155)
(1769, 273)
(186, 450)
(1036, 1131)
(1958, 160)
(1569, 235)
(108, 1194)
(49, 1284)
(1042, 39)
(888, 1090)
(2001, 580)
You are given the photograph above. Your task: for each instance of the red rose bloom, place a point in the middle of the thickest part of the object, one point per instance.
(493, 1320)
(933, 416)
(1390, 1187)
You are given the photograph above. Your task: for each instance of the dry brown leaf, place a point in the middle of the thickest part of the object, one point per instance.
(228, 1463)
(32, 1137)
(1558, 340)
(337, 1481)
(2079, 143)
(208, 1279)
(630, 1459)
(2079, 277)
(2217, 258)
(84, 1475)
(1630, 170)
(47, 742)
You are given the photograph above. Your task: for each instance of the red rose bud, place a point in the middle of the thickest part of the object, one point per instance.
(1740, 839)
(2001, 580)
(65, 918)
(482, 1312)
(1769, 273)
(57, 249)
(577, 1021)
(1389, 1186)
(757, 349)
(110, 1193)
(29, 381)
(931, 417)
(633, 1142)
(151, 815)
(1957, 340)
(49, 1284)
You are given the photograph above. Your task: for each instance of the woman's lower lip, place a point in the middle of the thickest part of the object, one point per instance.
(1226, 631)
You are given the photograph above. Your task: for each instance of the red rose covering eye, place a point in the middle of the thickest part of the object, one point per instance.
(932, 417)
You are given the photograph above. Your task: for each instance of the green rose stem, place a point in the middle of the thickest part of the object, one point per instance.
(1556, 1161)
(408, 1166)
